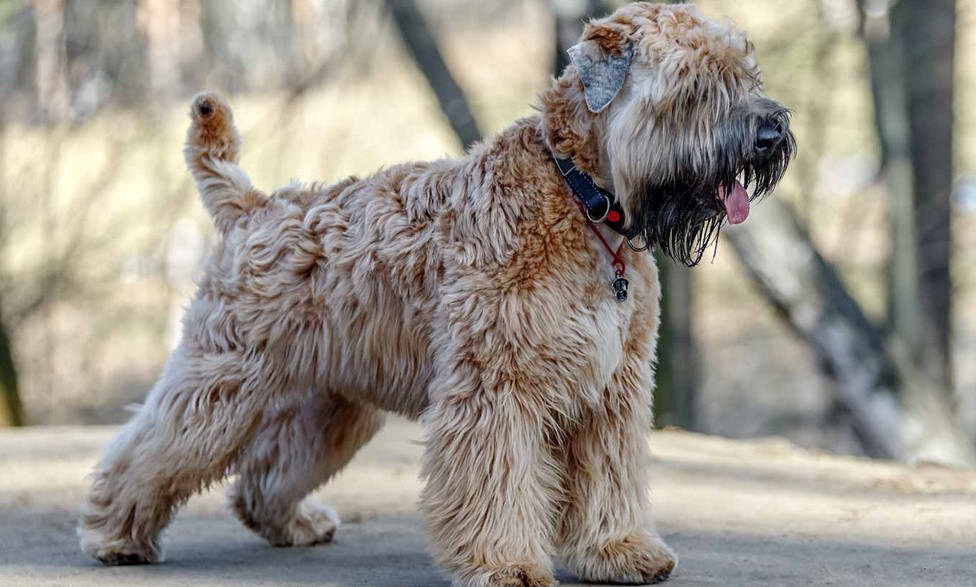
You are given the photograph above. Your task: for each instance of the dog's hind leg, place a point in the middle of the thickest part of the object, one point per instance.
(211, 151)
(196, 421)
(294, 451)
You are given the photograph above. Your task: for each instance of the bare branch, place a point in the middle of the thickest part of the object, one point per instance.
(421, 43)
(810, 296)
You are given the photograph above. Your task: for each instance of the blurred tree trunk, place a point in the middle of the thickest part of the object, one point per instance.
(887, 78)
(11, 411)
(22, 27)
(422, 44)
(50, 66)
(927, 33)
(910, 53)
(677, 373)
(810, 296)
(911, 56)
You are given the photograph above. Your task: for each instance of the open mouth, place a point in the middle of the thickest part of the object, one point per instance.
(683, 217)
(736, 202)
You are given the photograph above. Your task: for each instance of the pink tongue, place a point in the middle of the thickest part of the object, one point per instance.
(736, 203)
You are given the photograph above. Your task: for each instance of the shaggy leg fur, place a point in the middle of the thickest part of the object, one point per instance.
(294, 452)
(489, 494)
(604, 530)
(194, 423)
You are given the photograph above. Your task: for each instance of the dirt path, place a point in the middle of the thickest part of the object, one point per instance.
(738, 513)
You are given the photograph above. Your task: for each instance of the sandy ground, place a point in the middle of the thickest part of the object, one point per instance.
(738, 513)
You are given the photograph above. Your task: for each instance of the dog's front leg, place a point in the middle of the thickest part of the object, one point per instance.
(605, 531)
(489, 495)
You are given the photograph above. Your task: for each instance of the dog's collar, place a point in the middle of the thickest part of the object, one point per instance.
(599, 205)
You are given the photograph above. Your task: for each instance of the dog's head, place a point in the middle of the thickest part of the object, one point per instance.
(673, 104)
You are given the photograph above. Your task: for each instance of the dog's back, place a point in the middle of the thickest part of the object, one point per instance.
(341, 285)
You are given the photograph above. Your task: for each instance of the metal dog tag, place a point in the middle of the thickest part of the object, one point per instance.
(619, 286)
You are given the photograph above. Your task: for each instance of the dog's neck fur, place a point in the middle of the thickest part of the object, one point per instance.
(572, 131)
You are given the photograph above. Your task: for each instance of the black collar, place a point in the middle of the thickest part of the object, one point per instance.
(599, 205)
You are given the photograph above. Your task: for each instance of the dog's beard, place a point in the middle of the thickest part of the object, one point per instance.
(684, 216)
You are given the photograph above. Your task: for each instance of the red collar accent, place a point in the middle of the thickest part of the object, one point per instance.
(617, 259)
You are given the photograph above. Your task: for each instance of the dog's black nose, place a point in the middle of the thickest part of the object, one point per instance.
(769, 135)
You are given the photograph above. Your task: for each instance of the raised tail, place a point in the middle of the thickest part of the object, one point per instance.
(211, 151)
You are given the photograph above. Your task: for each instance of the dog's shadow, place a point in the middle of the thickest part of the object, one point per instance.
(212, 549)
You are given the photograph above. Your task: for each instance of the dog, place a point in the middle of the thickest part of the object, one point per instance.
(502, 298)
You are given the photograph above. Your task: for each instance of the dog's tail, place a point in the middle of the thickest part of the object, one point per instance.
(211, 151)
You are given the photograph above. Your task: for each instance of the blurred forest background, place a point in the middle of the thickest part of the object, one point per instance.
(841, 315)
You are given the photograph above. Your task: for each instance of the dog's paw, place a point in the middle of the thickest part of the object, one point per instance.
(314, 523)
(516, 575)
(522, 576)
(117, 552)
(642, 559)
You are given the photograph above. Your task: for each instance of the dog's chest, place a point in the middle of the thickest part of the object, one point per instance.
(623, 331)
(609, 328)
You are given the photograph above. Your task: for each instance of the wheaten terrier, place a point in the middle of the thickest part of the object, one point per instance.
(490, 296)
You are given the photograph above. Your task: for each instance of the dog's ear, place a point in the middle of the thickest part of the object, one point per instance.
(602, 59)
